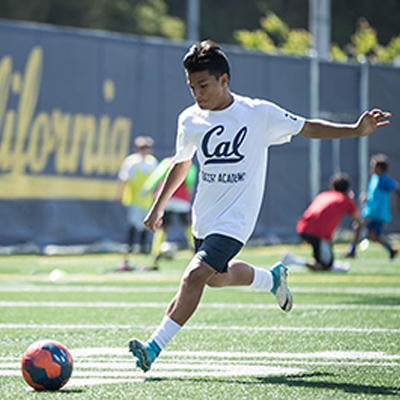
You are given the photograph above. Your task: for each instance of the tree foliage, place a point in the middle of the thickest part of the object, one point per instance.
(142, 17)
(364, 43)
(275, 36)
(253, 24)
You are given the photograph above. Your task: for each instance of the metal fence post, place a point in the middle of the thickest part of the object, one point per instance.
(363, 142)
(315, 145)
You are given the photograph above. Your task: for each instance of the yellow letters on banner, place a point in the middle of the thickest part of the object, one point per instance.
(82, 152)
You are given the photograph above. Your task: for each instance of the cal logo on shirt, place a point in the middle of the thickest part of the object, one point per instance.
(223, 152)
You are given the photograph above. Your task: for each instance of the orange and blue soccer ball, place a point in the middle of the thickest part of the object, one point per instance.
(46, 365)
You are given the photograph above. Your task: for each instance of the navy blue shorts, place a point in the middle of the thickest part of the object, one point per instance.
(375, 226)
(217, 250)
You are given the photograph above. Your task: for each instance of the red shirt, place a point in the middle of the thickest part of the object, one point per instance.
(181, 193)
(325, 213)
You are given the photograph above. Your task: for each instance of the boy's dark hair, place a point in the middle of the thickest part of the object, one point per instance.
(206, 56)
(340, 182)
(381, 161)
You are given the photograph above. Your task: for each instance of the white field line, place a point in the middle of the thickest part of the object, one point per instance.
(122, 367)
(229, 355)
(165, 370)
(195, 327)
(171, 289)
(56, 288)
(116, 366)
(247, 306)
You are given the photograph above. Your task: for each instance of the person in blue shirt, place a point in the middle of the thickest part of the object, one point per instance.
(376, 211)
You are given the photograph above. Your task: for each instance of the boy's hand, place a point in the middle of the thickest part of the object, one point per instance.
(153, 220)
(371, 120)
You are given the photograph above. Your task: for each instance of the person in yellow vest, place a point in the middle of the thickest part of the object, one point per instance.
(134, 171)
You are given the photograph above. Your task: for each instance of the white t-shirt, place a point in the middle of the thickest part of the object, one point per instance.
(232, 148)
(136, 163)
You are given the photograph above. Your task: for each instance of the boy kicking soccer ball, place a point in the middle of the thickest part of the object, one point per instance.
(230, 134)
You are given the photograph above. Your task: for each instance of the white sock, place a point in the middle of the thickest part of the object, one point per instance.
(262, 279)
(165, 332)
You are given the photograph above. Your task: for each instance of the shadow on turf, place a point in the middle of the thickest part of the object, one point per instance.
(378, 300)
(63, 392)
(298, 381)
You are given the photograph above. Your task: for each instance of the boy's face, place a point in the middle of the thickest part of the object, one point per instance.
(209, 92)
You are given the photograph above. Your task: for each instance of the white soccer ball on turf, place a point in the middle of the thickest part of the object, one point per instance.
(168, 250)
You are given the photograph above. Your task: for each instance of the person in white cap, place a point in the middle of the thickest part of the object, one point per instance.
(134, 171)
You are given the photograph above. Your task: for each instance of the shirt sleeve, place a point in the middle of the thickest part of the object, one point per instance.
(282, 125)
(185, 148)
(388, 183)
(123, 174)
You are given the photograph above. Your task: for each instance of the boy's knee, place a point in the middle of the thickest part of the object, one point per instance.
(196, 276)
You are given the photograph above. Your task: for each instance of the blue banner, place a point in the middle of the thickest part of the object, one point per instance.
(72, 101)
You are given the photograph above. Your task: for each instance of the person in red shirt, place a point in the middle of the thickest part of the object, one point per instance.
(318, 223)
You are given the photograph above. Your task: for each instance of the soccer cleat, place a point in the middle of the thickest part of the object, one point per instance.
(280, 289)
(145, 353)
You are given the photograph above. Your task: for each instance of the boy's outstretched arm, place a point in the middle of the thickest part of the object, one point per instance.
(368, 122)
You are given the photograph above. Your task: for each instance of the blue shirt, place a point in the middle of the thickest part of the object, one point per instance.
(377, 207)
